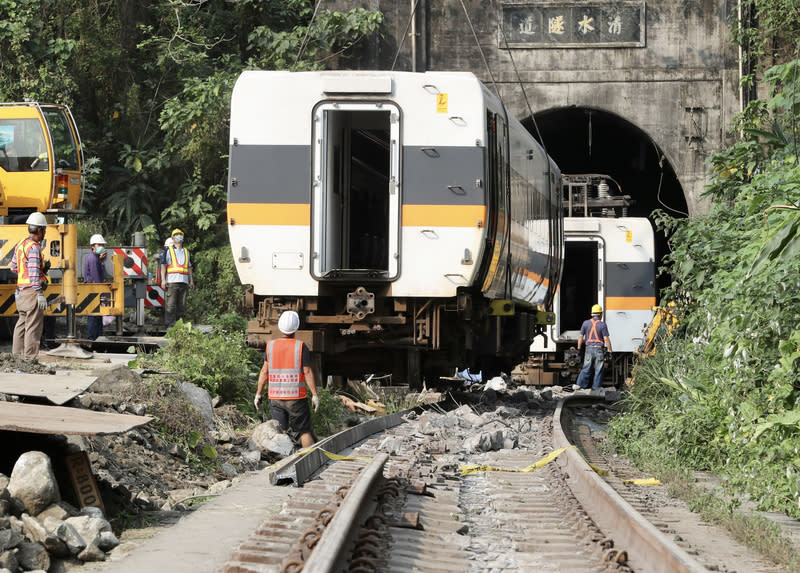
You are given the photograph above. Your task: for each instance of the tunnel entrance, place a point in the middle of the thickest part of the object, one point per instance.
(585, 140)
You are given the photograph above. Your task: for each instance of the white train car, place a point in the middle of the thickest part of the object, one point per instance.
(610, 261)
(413, 224)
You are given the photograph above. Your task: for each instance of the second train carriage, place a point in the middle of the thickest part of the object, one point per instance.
(409, 219)
(609, 258)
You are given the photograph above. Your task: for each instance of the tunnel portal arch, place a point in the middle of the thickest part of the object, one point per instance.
(583, 140)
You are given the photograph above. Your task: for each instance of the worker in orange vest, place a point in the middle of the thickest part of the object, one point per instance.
(595, 333)
(29, 265)
(287, 369)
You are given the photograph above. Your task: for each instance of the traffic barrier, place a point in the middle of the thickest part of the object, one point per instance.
(155, 297)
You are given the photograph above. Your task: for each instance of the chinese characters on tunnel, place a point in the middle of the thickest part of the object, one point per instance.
(594, 25)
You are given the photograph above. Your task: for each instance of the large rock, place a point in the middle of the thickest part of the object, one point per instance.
(114, 379)
(66, 533)
(8, 560)
(268, 437)
(33, 482)
(89, 528)
(200, 399)
(8, 540)
(32, 556)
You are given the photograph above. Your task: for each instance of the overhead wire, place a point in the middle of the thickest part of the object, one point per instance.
(405, 34)
(303, 44)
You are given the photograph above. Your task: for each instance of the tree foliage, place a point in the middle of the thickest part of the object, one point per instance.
(724, 392)
(150, 85)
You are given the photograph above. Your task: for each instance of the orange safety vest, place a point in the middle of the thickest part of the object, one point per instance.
(287, 381)
(23, 248)
(594, 337)
(175, 266)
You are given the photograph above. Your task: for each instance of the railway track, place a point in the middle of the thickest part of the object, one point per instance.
(457, 491)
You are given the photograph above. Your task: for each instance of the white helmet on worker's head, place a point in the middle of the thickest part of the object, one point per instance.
(36, 219)
(289, 322)
(97, 239)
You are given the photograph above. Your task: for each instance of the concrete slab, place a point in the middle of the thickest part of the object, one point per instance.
(37, 419)
(59, 389)
(205, 539)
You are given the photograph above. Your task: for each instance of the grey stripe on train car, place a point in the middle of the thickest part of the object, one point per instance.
(630, 279)
(440, 175)
(270, 174)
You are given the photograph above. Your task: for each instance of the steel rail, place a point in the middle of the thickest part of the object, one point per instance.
(643, 541)
(332, 550)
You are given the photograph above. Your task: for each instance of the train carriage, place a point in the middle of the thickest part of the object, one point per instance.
(413, 224)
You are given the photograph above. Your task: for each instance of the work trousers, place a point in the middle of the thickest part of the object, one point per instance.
(29, 326)
(175, 302)
(594, 359)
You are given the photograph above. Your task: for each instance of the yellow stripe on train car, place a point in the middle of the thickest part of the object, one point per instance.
(298, 214)
(473, 216)
(630, 302)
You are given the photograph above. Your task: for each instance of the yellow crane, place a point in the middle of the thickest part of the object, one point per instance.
(41, 170)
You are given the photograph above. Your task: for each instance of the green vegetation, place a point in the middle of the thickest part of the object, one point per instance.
(217, 360)
(150, 84)
(723, 393)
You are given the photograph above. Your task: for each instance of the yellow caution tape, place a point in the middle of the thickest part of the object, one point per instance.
(473, 469)
(644, 481)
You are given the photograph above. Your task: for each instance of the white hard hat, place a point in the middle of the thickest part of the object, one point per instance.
(97, 240)
(169, 242)
(289, 322)
(37, 219)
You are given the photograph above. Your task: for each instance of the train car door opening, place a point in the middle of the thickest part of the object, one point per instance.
(356, 193)
(581, 284)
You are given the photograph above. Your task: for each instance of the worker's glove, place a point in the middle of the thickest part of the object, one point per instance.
(41, 302)
(257, 401)
(315, 402)
(46, 266)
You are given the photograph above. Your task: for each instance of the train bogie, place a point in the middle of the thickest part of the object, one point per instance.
(403, 215)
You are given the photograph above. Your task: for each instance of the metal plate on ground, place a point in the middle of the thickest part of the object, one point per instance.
(59, 389)
(61, 420)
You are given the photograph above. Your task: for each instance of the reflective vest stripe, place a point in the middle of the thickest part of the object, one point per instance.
(287, 381)
(175, 266)
(593, 337)
(23, 248)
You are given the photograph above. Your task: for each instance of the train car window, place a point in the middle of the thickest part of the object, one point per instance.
(356, 211)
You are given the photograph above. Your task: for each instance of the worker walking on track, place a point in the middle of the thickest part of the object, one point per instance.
(176, 278)
(30, 268)
(287, 369)
(595, 333)
(94, 271)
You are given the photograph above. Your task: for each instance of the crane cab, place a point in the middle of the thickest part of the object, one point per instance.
(41, 163)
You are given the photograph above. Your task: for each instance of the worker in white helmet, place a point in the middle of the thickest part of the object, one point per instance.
(94, 271)
(287, 369)
(29, 266)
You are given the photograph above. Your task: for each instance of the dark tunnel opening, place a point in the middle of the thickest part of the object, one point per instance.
(583, 140)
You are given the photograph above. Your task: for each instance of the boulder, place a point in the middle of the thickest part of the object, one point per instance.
(268, 437)
(200, 399)
(8, 560)
(92, 553)
(114, 379)
(32, 556)
(66, 533)
(89, 528)
(8, 540)
(33, 482)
